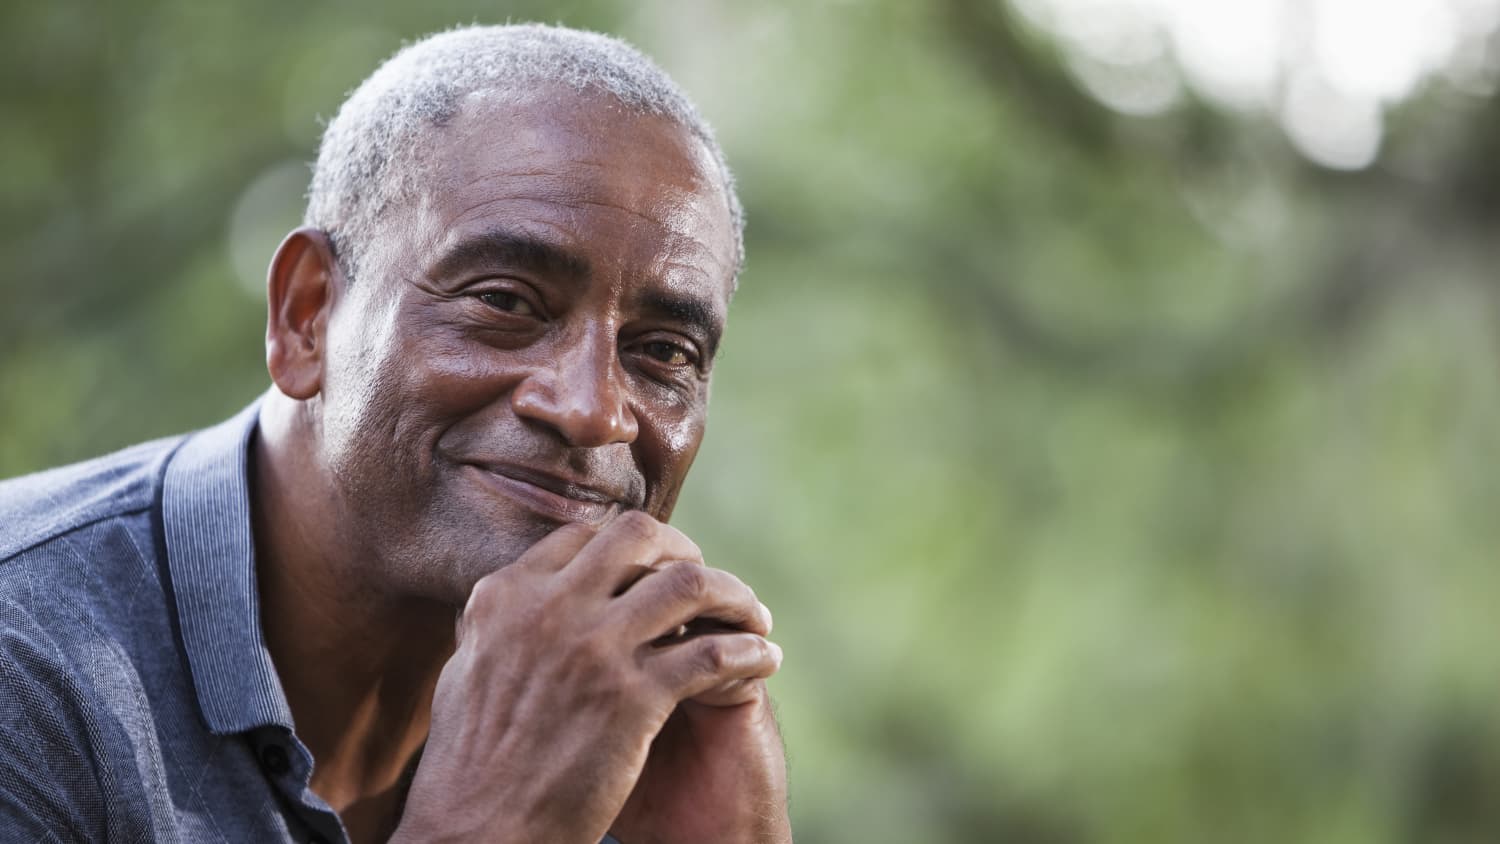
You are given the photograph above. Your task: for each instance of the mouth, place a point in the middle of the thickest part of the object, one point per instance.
(550, 496)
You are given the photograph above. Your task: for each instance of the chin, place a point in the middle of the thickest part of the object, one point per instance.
(446, 562)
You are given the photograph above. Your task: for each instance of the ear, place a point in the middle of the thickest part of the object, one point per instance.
(300, 290)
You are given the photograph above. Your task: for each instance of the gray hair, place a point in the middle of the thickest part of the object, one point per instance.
(370, 157)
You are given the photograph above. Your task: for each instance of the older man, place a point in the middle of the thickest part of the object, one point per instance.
(491, 347)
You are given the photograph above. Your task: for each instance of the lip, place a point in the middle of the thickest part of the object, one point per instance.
(550, 496)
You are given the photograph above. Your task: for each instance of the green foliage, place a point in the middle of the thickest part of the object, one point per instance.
(1112, 480)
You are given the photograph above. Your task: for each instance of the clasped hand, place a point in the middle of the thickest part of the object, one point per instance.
(607, 680)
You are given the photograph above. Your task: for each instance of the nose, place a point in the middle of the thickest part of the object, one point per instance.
(583, 396)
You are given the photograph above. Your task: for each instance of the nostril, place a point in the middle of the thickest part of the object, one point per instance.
(585, 413)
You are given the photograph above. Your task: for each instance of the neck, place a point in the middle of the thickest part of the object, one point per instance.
(358, 667)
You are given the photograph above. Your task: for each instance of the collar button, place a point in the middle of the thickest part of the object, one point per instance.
(274, 759)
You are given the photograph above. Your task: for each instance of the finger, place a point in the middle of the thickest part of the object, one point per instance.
(677, 594)
(555, 550)
(629, 574)
(620, 552)
(733, 693)
(713, 662)
(549, 554)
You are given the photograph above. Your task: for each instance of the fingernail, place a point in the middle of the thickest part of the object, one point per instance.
(776, 649)
(769, 621)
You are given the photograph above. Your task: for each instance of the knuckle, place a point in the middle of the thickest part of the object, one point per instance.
(713, 654)
(740, 588)
(688, 582)
(765, 653)
(483, 597)
(637, 523)
(685, 542)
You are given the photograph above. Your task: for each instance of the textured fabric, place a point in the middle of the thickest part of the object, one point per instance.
(137, 699)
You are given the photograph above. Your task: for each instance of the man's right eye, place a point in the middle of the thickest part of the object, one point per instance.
(511, 303)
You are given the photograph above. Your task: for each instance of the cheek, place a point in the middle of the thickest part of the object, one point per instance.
(393, 384)
(666, 455)
(357, 389)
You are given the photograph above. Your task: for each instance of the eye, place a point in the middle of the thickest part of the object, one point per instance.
(670, 354)
(511, 303)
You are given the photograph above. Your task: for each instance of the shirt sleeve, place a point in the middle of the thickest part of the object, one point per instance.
(48, 784)
(68, 767)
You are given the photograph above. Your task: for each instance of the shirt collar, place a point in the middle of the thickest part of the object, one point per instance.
(211, 557)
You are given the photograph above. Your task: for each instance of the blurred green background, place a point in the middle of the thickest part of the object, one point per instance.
(1109, 412)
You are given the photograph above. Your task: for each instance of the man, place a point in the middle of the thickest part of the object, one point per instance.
(491, 347)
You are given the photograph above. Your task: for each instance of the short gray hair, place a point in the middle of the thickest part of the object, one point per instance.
(370, 156)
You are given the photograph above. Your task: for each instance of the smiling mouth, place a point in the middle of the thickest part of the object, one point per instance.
(549, 496)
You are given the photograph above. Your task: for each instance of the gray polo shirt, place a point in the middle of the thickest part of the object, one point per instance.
(137, 699)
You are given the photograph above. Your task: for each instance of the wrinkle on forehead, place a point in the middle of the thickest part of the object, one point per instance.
(678, 234)
(538, 123)
(589, 126)
(543, 175)
(544, 164)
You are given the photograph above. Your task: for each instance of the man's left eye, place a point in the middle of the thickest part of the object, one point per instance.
(668, 353)
(504, 300)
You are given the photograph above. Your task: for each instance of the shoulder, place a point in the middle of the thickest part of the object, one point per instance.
(79, 576)
(37, 508)
(83, 600)
(79, 562)
(82, 621)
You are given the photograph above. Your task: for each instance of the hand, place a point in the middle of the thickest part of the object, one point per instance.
(715, 773)
(544, 717)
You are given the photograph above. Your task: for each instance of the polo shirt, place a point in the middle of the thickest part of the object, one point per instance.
(138, 701)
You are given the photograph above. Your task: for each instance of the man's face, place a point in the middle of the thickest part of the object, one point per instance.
(529, 343)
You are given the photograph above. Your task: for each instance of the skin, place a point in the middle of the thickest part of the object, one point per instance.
(493, 423)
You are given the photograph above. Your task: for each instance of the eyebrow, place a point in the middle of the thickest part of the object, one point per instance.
(690, 311)
(500, 247)
(512, 249)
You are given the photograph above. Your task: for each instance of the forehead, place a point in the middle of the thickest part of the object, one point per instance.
(627, 192)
